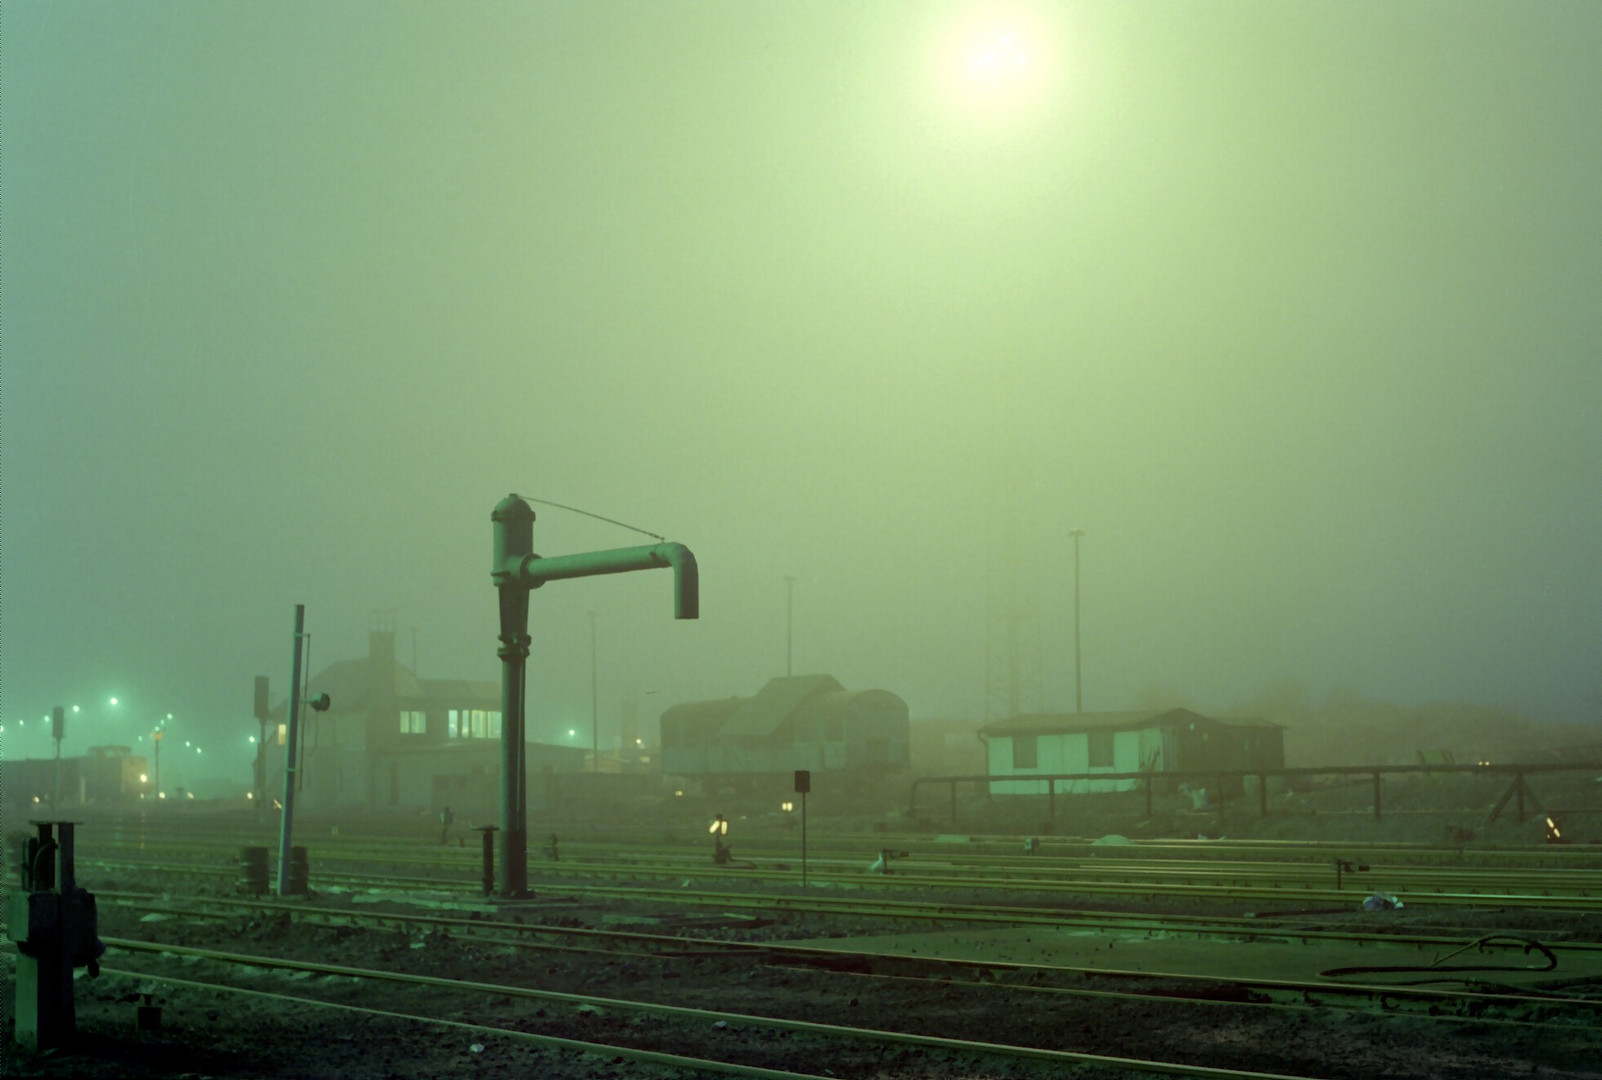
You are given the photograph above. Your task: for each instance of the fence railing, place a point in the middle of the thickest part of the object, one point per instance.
(1517, 791)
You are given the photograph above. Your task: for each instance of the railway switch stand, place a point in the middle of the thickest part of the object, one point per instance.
(553, 850)
(1347, 866)
(54, 924)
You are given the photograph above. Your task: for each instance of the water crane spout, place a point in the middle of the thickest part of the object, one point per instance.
(516, 570)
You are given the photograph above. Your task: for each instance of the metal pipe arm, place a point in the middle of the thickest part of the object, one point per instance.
(533, 571)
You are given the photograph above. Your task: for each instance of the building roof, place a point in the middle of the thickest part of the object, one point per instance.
(760, 716)
(1064, 723)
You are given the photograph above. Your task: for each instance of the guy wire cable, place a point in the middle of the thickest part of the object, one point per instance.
(598, 517)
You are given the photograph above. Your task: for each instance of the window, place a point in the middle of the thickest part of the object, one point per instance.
(1025, 751)
(413, 722)
(473, 723)
(283, 734)
(1101, 750)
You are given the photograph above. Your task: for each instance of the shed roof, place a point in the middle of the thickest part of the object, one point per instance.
(1065, 723)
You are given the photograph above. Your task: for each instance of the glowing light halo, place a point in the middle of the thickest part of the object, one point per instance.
(997, 64)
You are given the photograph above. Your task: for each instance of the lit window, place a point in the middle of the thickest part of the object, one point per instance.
(283, 734)
(413, 722)
(455, 724)
(478, 723)
(494, 725)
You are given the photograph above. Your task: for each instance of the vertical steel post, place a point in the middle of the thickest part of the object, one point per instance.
(513, 521)
(595, 701)
(803, 839)
(291, 757)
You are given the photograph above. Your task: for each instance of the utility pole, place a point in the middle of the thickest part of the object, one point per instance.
(789, 622)
(1079, 686)
(291, 756)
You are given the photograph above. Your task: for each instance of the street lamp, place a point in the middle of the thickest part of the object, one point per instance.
(1079, 698)
(155, 737)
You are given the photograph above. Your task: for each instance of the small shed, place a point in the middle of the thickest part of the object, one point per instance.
(1175, 740)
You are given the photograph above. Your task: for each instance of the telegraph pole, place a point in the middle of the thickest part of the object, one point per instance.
(1079, 692)
(789, 622)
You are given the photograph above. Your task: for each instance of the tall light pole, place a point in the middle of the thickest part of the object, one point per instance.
(789, 621)
(595, 708)
(1079, 685)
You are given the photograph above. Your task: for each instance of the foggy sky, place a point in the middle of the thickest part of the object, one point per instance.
(1293, 308)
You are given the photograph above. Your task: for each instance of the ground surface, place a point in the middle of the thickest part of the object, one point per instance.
(206, 1034)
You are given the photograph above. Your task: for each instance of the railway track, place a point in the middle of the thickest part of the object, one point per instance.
(1381, 998)
(833, 1039)
(1148, 960)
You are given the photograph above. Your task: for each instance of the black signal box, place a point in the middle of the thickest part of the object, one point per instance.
(58, 723)
(261, 698)
(803, 781)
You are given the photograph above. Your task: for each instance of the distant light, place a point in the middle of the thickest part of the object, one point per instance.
(169, 716)
(571, 733)
(143, 779)
(186, 742)
(36, 798)
(197, 749)
(250, 794)
(787, 806)
(75, 708)
(114, 701)
(639, 742)
(678, 794)
(190, 794)
(161, 795)
(253, 738)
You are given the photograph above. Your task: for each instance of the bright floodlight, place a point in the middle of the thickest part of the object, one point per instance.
(997, 65)
(999, 59)
(114, 701)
